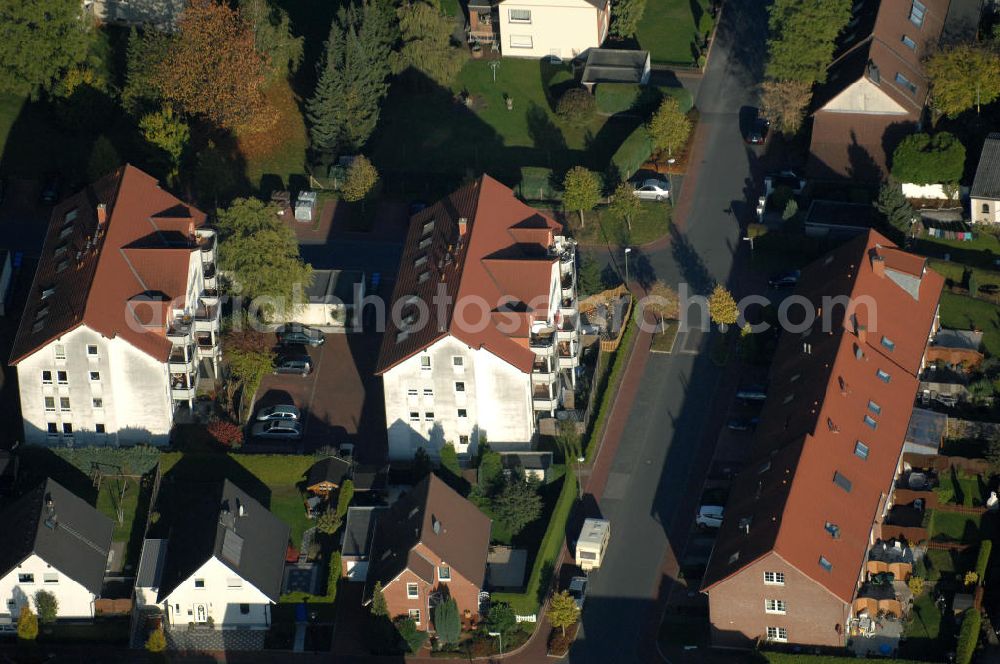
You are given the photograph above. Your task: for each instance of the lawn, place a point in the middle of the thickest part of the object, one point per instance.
(954, 527)
(927, 634)
(426, 139)
(115, 493)
(961, 489)
(982, 252)
(275, 156)
(601, 227)
(940, 564)
(668, 30)
(963, 313)
(663, 342)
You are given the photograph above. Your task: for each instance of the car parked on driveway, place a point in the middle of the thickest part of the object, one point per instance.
(653, 190)
(279, 412)
(277, 430)
(294, 364)
(786, 279)
(294, 334)
(709, 516)
(578, 590)
(757, 129)
(784, 179)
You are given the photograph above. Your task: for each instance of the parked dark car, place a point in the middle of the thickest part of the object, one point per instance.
(752, 393)
(788, 279)
(277, 430)
(50, 189)
(578, 590)
(294, 364)
(742, 423)
(758, 129)
(294, 334)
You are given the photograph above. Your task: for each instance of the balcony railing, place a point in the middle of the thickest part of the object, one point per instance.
(206, 318)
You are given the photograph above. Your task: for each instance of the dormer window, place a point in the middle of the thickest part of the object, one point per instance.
(833, 529)
(428, 227)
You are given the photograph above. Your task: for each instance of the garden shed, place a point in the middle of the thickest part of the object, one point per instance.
(615, 65)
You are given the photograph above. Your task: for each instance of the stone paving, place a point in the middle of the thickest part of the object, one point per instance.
(207, 640)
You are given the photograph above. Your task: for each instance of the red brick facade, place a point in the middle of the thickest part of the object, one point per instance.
(465, 593)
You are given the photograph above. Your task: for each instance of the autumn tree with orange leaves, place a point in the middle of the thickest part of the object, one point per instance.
(212, 69)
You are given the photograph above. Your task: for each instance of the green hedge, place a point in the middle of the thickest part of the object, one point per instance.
(537, 184)
(983, 561)
(968, 636)
(633, 153)
(610, 386)
(528, 602)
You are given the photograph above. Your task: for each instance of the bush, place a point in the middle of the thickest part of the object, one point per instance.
(447, 624)
(333, 577)
(632, 153)
(983, 561)
(157, 641)
(560, 642)
(226, 433)
(916, 585)
(537, 184)
(412, 637)
(968, 636)
(501, 618)
(576, 106)
(27, 625)
(47, 606)
(926, 159)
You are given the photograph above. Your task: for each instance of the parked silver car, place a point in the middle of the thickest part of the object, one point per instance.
(653, 190)
(277, 430)
(279, 412)
(295, 364)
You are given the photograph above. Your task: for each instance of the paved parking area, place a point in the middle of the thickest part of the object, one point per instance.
(341, 400)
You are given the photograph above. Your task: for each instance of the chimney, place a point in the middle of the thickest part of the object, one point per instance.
(862, 334)
(878, 265)
(102, 214)
(463, 226)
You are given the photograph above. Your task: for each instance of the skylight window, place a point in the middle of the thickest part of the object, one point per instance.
(860, 450)
(883, 376)
(420, 260)
(70, 216)
(842, 482)
(917, 11)
(48, 292)
(424, 276)
(889, 344)
(874, 408)
(428, 227)
(426, 242)
(870, 422)
(825, 564)
(906, 83)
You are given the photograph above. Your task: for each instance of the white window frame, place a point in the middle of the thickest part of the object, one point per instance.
(47, 407)
(415, 588)
(414, 416)
(775, 606)
(777, 578)
(777, 634)
(521, 20)
(522, 41)
(65, 405)
(94, 347)
(47, 381)
(60, 351)
(425, 362)
(442, 578)
(429, 416)
(50, 577)
(414, 615)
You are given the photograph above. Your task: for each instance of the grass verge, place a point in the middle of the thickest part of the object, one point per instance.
(610, 385)
(664, 337)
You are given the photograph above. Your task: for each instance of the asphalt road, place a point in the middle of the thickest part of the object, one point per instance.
(651, 471)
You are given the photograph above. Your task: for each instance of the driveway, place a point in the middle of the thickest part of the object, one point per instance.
(655, 477)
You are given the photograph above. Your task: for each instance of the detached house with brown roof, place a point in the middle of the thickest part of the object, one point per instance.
(876, 90)
(430, 545)
(123, 316)
(484, 338)
(802, 518)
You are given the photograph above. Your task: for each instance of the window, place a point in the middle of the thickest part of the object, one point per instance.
(777, 634)
(67, 429)
(46, 378)
(425, 362)
(463, 440)
(428, 227)
(833, 529)
(842, 481)
(97, 402)
(870, 422)
(429, 416)
(244, 609)
(428, 392)
(520, 15)
(50, 404)
(234, 582)
(199, 583)
(91, 350)
(412, 591)
(53, 429)
(60, 351)
(99, 428)
(883, 376)
(62, 377)
(415, 615)
(444, 573)
(774, 578)
(874, 407)
(95, 375)
(50, 577)
(458, 361)
(63, 403)
(889, 344)
(25, 578)
(906, 83)
(986, 208)
(764, 467)
(420, 260)
(733, 558)
(825, 564)
(414, 416)
(909, 43)
(462, 412)
(412, 392)
(917, 11)
(460, 386)
(521, 41)
(860, 450)
(774, 606)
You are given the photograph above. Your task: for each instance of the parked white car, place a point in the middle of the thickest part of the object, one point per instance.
(653, 190)
(279, 412)
(709, 516)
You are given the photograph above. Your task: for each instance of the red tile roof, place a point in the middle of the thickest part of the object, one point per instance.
(98, 272)
(793, 499)
(501, 260)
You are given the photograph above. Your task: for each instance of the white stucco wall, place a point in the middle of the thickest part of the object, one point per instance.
(930, 191)
(566, 28)
(984, 211)
(863, 96)
(75, 601)
(497, 400)
(221, 598)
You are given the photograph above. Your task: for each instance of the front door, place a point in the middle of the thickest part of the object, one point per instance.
(200, 613)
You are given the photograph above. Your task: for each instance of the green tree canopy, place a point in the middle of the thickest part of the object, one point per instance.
(361, 181)
(722, 307)
(39, 43)
(669, 127)
(624, 203)
(581, 190)
(894, 207)
(626, 16)
(169, 134)
(426, 43)
(968, 635)
(261, 254)
(157, 641)
(273, 37)
(589, 276)
(563, 611)
(447, 624)
(784, 103)
(379, 608)
(27, 625)
(145, 51)
(501, 618)
(576, 107)
(929, 159)
(803, 35)
(47, 606)
(569, 441)
(963, 76)
(517, 504)
(344, 496)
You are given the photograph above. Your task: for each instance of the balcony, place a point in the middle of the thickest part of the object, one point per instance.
(179, 329)
(208, 272)
(183, 386)
(542, 343)
(568, 284)
(181, 359)
(205, 238)
(207, 317)
(543, 371)
(568, 306)
(544, 398)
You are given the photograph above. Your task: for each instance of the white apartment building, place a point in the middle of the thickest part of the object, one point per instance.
(123, 317)
(562, 28)
(485, 338)
(54, 542)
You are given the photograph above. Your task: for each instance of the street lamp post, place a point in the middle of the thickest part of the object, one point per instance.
(628, 250)
(500, 636)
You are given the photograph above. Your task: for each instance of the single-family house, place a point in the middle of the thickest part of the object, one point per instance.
(53, 541)
(220, 564)
(790, 557)
(984, 197)
(430, 544)
(876, 90)
(564, 29)
(327, 475)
